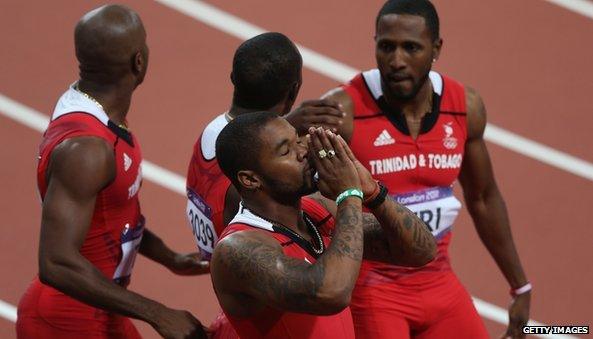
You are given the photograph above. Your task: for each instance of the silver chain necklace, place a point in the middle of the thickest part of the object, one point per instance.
(318, 250)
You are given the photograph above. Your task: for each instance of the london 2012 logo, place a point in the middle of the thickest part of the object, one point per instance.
(449, 141)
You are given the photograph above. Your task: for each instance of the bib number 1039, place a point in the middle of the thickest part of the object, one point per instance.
(199, 216)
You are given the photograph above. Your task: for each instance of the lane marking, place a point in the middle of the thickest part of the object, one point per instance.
(7, 311)
(239, 28)
(176, 183)
(540, 152)
(336, 70)
(582, 7)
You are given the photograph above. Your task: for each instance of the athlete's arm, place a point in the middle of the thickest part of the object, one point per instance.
(251, 263)
(392, 234)
(155, 249)
(487, 208)
(79, 169)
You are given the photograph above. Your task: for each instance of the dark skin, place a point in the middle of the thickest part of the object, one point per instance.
(81, 167)
(249, 268)
(404, 51)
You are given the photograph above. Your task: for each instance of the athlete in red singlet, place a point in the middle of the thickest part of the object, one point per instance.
(282, 269)
(266, 75)
(418, 131)
(89, 174)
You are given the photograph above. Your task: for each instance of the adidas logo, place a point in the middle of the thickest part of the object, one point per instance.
(127, 162)
(384, 139)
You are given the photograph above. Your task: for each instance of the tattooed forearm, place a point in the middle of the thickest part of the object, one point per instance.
(347, 239)
(398, 236)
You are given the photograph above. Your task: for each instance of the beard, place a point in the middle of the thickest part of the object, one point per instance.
(403, 96)
(288, 192)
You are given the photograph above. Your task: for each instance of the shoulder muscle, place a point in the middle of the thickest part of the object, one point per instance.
(83, 165)
(476, 113)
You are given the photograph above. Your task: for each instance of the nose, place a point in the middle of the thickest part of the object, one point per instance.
(397, 61)
(303, 149)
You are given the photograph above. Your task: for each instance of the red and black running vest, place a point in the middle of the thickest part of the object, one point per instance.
(418, 173)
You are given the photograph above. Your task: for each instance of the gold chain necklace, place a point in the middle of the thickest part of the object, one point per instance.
(98, 104)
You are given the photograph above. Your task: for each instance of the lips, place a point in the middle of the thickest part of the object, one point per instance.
(398, 77)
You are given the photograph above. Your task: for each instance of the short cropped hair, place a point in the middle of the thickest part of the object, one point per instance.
(265, 68)
(423, 8)
(239, 144)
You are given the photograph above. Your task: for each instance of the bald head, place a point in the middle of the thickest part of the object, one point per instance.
(109, 42)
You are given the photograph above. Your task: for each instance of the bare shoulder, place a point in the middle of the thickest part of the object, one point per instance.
(242, 239)
(476, 113)
(236, 252)
(328, 204)
(83, 163)
(339, 95)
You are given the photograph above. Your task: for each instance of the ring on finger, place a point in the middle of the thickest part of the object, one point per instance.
(322, 154)
(331, 153)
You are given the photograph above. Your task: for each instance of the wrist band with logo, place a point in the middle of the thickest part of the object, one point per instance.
(521, 290)
(351, 192)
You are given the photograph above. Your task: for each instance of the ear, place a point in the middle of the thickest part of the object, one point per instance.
(232, 76)
(291, 97)
(139, 63)
(436, 49)
(249, 180)
(294, 91)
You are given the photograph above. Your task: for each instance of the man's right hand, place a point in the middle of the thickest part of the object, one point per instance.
(176, 324)
(324, 113)
(336, 171)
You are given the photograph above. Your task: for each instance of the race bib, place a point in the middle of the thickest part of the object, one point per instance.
(436, 206)
(130, 243)
(199, 216)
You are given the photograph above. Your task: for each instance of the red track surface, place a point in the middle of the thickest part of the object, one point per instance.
(529, 59)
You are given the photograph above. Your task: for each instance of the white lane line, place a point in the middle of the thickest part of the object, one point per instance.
(171, 181)
(244, 30)
(7, 311)
(582, 7)
(336, 70)
(543, 153)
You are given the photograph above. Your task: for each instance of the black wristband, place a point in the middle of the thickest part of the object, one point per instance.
(379, 199)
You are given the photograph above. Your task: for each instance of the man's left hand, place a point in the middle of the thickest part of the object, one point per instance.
(189, 264)
(518, 316)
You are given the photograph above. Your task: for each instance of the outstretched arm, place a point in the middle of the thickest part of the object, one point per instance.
(487, 208)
